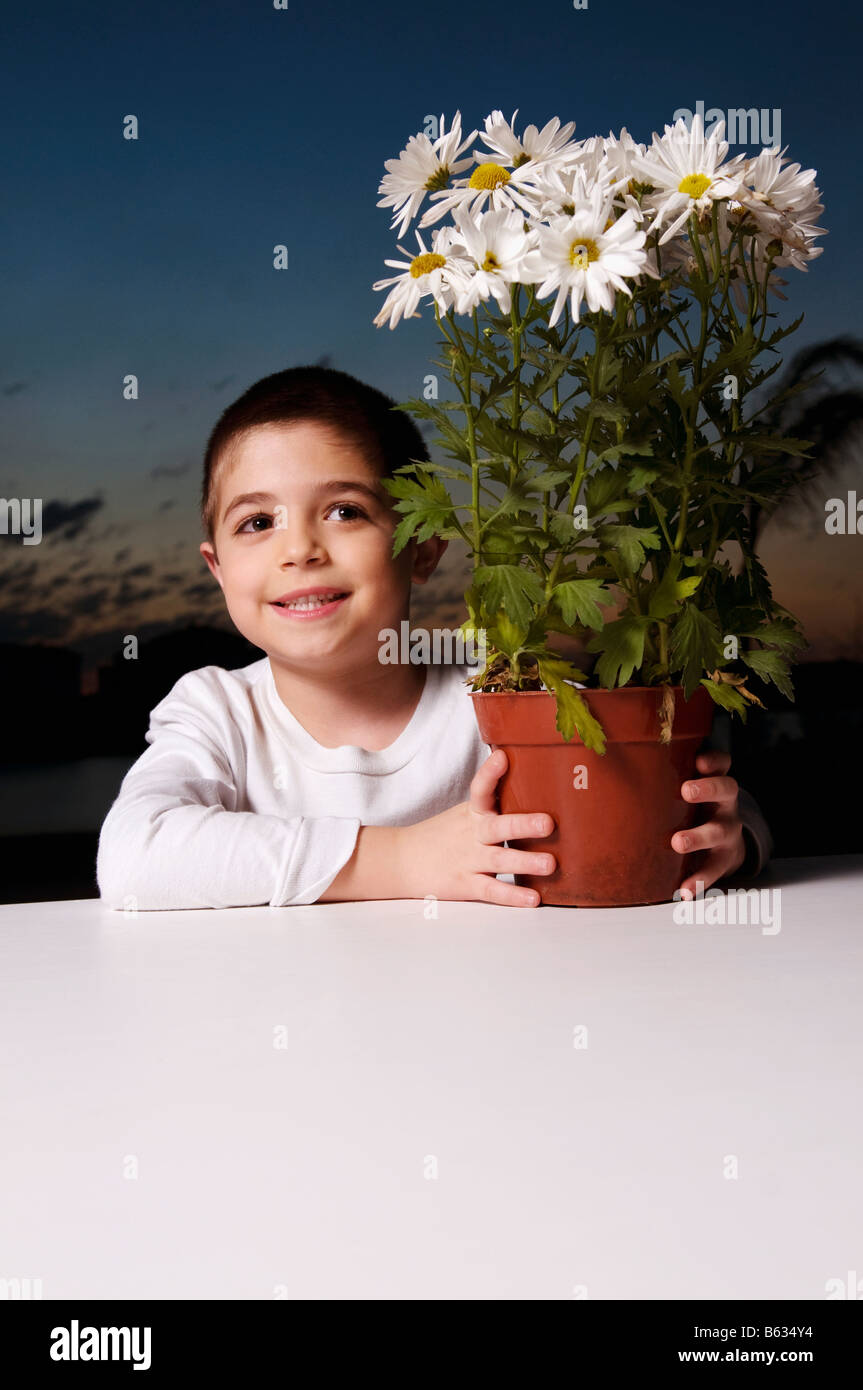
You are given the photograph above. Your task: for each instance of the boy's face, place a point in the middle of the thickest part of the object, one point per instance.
(308, 533)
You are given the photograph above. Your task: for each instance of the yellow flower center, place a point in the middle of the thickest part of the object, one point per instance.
(421, 265)
(694, 185)
(491, 262)
(581, 253)
(488, 176)
(568, 208)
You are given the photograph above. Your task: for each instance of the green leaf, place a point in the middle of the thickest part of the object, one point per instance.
(603, 487)
(639, 478)
(507, 636)
(622, 646)
(428, 507)
(770, 666)
(627, 543)
(516, 590)
(578, 600)
(545, 481)
(669, 593)
(572, 714)
(783, 633)
(441, 471)
(606, 410)
(726, 696)
(565, 533)
(769, 443)
(627, 449)
(695, 646)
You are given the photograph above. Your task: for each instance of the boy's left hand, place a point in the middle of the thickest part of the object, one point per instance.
(722, 836)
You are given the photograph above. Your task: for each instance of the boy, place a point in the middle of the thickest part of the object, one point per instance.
(319, 773)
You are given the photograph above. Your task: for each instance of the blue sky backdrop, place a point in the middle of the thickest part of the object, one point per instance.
(261, 126)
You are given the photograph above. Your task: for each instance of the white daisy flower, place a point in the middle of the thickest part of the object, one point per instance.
(499, 187)
(586, 255)
(783, 203)
(795, 244)
(535, 145)
(620, 153)
(687, 173)
(429, 273)
(560, 191)
(422, 167)
(789, 237)
(509, 190)
(496, 245)
(770, 191)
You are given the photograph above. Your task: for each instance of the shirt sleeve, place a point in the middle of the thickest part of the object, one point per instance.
(756, 832)
(173, 837)
(756, 836)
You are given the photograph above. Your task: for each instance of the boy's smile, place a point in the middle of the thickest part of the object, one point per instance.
(300, 514)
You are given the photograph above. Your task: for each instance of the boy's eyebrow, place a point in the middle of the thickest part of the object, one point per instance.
(334, 485)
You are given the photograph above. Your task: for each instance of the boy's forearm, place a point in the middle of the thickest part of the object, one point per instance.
(374, 870)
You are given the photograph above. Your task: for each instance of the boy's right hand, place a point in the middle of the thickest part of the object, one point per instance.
(455, 855)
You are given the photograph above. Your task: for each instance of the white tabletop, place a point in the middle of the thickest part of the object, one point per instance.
(354, 1100)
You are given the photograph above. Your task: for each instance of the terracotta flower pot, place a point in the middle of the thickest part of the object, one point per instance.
(615, 813)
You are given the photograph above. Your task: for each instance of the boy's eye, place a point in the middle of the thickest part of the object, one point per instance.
(260, 517)
(264, 516)
(347, 507)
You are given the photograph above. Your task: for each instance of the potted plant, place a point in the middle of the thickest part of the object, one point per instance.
(606, 328)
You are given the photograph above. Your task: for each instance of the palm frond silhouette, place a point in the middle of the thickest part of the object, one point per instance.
(820, 403)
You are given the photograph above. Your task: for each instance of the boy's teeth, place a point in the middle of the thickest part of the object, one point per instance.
(311, 602)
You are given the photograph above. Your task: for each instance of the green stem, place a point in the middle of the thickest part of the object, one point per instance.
(515, 416)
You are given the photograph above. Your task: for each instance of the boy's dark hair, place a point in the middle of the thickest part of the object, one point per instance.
(387, 437)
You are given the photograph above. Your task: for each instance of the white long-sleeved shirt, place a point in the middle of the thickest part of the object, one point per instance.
(234, 803)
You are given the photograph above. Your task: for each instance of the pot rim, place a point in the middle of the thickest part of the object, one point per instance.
(597, 690)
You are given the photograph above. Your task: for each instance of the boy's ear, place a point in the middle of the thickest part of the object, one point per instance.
(427, 556)
(209, 554)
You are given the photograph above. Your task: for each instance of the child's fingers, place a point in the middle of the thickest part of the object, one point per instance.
(719, 833)
(519, 825)
(485, 780)
(717, 865)
(491, 890)
(500, 860)
(719, 789)
(713, 760)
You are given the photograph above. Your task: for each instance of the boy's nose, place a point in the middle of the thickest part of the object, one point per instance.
(298, 539)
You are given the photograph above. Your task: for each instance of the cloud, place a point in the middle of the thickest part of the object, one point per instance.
(129, 595)
(171, 470)
(202, 590)
(15, 388)
(41, 623)
(222, 382)
(71, 518)
(91, 605)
